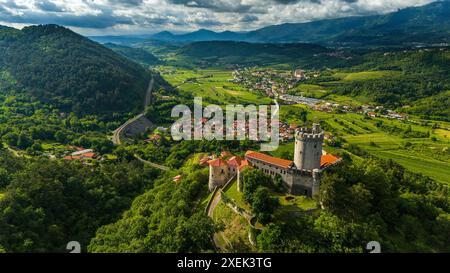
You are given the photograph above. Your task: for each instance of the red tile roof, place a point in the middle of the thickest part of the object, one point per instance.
(234, 161)
(217, 162)
(283, 163)
(88, 155)
(244, 164)
(328, 160)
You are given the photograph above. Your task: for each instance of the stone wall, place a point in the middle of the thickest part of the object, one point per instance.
(138, 126)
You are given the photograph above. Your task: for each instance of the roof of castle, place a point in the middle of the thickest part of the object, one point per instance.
(283, 163)
(244, 164)
(328, 160)
(217, 162)
(235, 161)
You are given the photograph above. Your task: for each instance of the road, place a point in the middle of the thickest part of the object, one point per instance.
(216, 199)
(118, 132)
(148, 97)
(154, 165)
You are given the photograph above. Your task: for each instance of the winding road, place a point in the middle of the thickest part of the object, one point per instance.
(119, 131)
(148, 97)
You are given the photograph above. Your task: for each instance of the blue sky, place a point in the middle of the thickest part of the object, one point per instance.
(101, 17)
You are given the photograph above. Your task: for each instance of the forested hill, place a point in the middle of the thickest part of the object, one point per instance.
(138, 55)
(70, 71)
(229, 52)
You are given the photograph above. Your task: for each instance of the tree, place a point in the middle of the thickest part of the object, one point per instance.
(270, 240)
(263, 205)
(24, 141)
(252, 179)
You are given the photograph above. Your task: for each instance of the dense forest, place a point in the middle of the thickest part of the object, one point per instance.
(71, 72)
(367, 201)
(138, 55)
(45, 203)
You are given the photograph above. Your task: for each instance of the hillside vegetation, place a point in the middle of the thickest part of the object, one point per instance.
(58, 66)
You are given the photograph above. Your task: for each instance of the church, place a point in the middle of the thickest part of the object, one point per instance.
(301, 176)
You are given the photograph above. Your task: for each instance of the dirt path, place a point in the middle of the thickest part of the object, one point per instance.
(154, 165)
(216, 199)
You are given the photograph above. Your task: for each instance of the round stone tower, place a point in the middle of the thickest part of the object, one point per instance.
(308, 148)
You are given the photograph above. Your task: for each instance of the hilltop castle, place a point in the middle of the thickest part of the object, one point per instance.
(301, 176)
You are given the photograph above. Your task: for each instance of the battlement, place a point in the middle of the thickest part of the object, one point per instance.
(305, 136)
(310, 134)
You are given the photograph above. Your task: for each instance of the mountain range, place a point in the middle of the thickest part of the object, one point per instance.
(429, 24)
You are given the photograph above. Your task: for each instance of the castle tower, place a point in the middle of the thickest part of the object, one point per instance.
(308, 148)
(218, 173)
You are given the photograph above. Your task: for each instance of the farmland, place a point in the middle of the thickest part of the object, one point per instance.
(429, 156)
(425, 150)
(213, 85)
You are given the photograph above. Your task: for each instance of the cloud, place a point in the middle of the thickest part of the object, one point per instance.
(146, 16)
(249, 18)
(48, 6)
(215, 5)
(128, 3)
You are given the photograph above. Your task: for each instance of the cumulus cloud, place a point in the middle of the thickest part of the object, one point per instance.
(144, 16)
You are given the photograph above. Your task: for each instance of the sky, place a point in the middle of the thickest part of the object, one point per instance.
(123, 17)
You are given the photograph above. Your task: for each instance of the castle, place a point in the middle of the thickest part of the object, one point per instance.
(301, 176)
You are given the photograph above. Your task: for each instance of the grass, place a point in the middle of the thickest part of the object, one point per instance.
(438, 170)
(235, 231)
(427, 157)
(366, 75)
(296, 202)
(234, 194)
(310, 90)
(213, 85)
(1, 195)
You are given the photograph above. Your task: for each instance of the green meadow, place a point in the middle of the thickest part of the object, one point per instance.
(213, 85)
(366, 75)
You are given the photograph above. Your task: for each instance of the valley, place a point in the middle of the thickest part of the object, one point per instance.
(87, 154)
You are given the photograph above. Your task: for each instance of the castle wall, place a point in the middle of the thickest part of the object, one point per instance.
(138, 126)
(298, 182)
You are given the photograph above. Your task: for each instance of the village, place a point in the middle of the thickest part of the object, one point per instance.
(278, 84)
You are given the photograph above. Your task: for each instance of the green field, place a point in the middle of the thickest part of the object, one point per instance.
(309, 90)
(366, 75)
(233, 193)
(212, 85)
(423, 155)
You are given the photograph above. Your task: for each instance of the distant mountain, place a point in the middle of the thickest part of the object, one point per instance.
(70, 71)
(429, 24)
(200, 35)
(138, 55)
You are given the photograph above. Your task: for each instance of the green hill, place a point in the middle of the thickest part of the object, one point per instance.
(138, 55)
(71, 72)
(220, 53)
